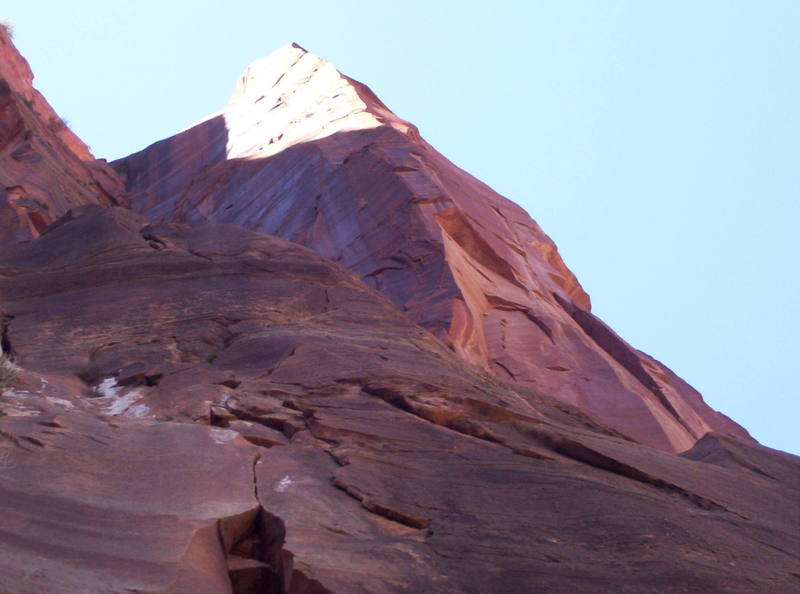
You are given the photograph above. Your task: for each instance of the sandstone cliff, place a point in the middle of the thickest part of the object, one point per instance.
(307, 154)
(189, 406)
(45, 169)
(250, 416)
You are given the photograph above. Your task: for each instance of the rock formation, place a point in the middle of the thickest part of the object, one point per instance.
(197, 407)
(307, 154)
(45, 169)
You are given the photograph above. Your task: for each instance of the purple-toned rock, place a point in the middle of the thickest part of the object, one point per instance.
(310, 155)
(211, 409)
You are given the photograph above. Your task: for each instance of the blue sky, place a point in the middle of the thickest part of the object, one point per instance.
(657, 142)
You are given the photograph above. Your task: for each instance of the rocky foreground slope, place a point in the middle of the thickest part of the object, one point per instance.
(203, 408)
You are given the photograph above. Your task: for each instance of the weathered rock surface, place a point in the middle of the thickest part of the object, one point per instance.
(45, 169)
(307, 154)
(95, 506)
(210, 409)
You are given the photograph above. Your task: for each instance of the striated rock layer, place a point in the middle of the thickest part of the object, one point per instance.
(209, 409)
(45, 169)
(214, 410)
(307, 154)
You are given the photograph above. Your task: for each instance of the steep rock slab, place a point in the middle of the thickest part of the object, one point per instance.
(385, 463)
(90, 506)
(310, 155)
(45, 169)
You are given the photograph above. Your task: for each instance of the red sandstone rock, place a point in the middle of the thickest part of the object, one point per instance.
(90, 506)
(395, 465)
(210, 409)
(45, 169)
(312, 156)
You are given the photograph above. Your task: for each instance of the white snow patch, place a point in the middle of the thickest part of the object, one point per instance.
(116, 403)
(123, 403)
(108, 388)
(223, 436)
(138, 411)
(283, 484)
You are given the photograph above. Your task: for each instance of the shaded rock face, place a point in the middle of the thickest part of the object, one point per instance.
(212, 410)
(312, 156)
(44, 168)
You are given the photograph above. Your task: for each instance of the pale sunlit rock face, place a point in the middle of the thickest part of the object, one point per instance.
(289, 97)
